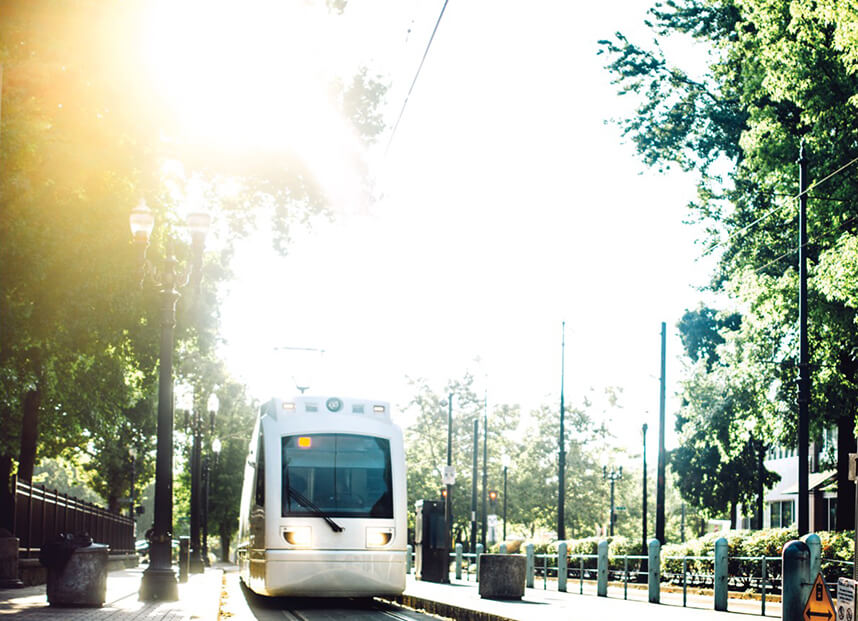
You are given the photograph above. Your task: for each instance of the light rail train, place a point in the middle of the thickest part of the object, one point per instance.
(323, 504)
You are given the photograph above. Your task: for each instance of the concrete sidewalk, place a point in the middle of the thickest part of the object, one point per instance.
(199, 599)
(461, 600)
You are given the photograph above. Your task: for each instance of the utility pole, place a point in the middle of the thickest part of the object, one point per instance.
(643, 520)
(485, 465)
(561, 461)
(659, 492)
(803, 356)
(474, 487)
(448, 500)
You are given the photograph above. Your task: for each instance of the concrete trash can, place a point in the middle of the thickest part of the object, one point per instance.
(82, 580)
(502, 576)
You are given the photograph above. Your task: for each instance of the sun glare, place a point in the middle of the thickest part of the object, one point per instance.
(257, 75)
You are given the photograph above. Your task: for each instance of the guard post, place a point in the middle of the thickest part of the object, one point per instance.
(562, 572)
(602, 569)
(721, 552)
(654, 571)
(796, 579)
(528, 550)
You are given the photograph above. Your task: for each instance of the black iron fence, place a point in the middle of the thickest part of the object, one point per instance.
(41, 514)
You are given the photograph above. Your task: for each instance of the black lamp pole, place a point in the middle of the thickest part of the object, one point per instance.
(159, 579)
(505, 462)
(448, 506)
(643, 520)
(212, 407)
(196, 565)
(612, 476)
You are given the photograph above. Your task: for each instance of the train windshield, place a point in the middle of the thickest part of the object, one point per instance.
(336, 475)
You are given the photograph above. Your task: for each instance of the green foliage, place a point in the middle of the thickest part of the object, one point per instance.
(779, 74)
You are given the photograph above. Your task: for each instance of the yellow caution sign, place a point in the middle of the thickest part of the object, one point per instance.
(819, 606)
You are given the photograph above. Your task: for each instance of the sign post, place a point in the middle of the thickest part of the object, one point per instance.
(819, 606)
(846, 599)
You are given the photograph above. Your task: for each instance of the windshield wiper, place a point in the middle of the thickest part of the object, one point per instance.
(317, 511)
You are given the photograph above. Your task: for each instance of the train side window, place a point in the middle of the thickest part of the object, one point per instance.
(260, 471)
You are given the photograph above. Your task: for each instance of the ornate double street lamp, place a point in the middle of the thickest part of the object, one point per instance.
(197, 564)
(612, 476)
(159, 579)
(213, 406)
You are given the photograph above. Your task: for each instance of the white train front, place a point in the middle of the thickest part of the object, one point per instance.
(323, 502)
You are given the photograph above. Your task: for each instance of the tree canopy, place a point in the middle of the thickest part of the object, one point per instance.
(779, 75)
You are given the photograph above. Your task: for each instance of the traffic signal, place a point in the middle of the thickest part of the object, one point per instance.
(493, 495)
(443, 493)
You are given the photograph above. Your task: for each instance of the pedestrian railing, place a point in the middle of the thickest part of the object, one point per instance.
(718, 573)
(40, 514)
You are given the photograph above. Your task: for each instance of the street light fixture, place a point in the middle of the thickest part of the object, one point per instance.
(612, 476)
(159, 579)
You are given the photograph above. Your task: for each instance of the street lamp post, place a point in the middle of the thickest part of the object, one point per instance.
(213, 405)
(448, 506)
(505, 463)
(643, 520)
(195, 564)
(612, 476)
(133, 453)
(159, 579)
(216, 446)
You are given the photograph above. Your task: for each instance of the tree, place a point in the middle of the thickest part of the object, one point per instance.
(780, 74)
(83, 139)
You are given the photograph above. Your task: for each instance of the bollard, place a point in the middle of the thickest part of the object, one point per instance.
(458, 561)
(184, 558)
(814, 545)
(721, 552)
(479, 552)
(796, 579)
(654, 571)
(409, 552)
(562, 572)
(528, 550)
(602, 569)
(502, 549)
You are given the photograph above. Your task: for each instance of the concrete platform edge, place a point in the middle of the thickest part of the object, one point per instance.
(442, 609)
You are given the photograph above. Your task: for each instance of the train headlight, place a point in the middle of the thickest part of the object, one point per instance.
(297, 535)
(378, 537)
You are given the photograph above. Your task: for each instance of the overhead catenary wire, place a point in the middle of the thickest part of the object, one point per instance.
(416, 75)
(774, 210)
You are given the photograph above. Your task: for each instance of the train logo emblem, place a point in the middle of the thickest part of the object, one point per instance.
(334, 405)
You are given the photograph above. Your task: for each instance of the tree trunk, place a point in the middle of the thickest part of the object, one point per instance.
(845, 519)
(29, 434)
(7, 504)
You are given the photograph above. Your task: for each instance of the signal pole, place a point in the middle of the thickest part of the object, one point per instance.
(803, 357)
(659, 492)
(561, 461)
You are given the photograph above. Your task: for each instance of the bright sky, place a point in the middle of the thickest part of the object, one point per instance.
(506, 206)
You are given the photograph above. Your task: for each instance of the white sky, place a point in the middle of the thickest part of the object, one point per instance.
(506, 206)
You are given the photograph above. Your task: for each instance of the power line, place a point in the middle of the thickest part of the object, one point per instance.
(416, 75)
(745, 228)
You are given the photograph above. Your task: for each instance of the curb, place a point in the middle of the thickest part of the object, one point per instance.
(442, 609)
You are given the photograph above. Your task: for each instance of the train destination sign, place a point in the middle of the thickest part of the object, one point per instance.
(819, 606)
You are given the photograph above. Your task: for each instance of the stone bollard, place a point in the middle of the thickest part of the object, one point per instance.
(82, 580)
(409, 552)
(796, 580)
(721, 551)
(458, 561)
(562, 568)
(602, 569)
(479, 554)
(529, 557)
(814, 545)
(184, 558)
(9, 561)
(502, 576)
(654, 571)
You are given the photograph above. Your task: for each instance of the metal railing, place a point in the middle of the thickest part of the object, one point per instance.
(41, 514)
